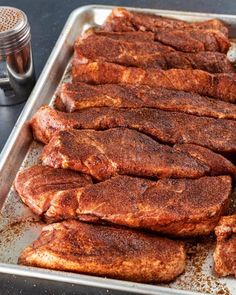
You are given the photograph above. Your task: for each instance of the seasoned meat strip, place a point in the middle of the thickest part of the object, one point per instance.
(106, 251)
(124, 20)
(194, 40)
(167, 127)
(41, 182)
(103, 154)
(225, 251)
(138, 54)
(179, 207)
(128, 36)
(188, 37)
(219, 165)
(221, 86)
(80, 96)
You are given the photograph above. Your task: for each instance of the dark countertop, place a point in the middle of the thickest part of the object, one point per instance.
(47, 18)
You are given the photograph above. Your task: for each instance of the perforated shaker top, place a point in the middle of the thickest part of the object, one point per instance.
(11, 19)
(14, 29)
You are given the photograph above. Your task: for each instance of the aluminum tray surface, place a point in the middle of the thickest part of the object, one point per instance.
(19, 227)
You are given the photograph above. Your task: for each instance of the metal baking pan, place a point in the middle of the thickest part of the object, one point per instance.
(19, 227)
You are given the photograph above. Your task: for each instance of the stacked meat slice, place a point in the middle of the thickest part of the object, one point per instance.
(209, 35)
(196, 204)
(166, 127)
(144, 133)
(221, 86)
(155, 55)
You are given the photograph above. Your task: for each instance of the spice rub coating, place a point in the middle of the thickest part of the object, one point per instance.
(121, 18)
(76, 96)
(153, 55)
(40, 182)
(178, 207)
(106, 251)
(167, 127)
(218, 164)
(104, 154)
(221, 85)
(211, 35)
(225, 251)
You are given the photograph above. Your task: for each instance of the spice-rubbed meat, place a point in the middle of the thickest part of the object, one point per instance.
(168, 127)
(194, 40)
(225, 251)
(103, 154)
(42, 182)
(127, 36)
(179, 207)
(106, 251)
(221, 86)
(219, 165)
(80, 96)
(101, 48)
(189, 37)
(123, 20)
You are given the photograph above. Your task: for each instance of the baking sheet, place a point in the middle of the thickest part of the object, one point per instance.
(19, 227)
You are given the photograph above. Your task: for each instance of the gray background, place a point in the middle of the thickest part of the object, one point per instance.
(47, 18)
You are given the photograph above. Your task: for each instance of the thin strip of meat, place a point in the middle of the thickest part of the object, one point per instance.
(211, 35)
(219, 165)
(103, 154)
(179, 207)
(78, 96)
(128, 36)
(43, 182)
(106, 251)
(121, 18)
(167, 127)
(138, 54)
(225, 251)
(221, 86)
(194, 40)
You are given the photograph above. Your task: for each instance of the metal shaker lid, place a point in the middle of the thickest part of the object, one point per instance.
(14, 30)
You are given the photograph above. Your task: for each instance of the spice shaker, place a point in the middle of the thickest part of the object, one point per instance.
(17, 76)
